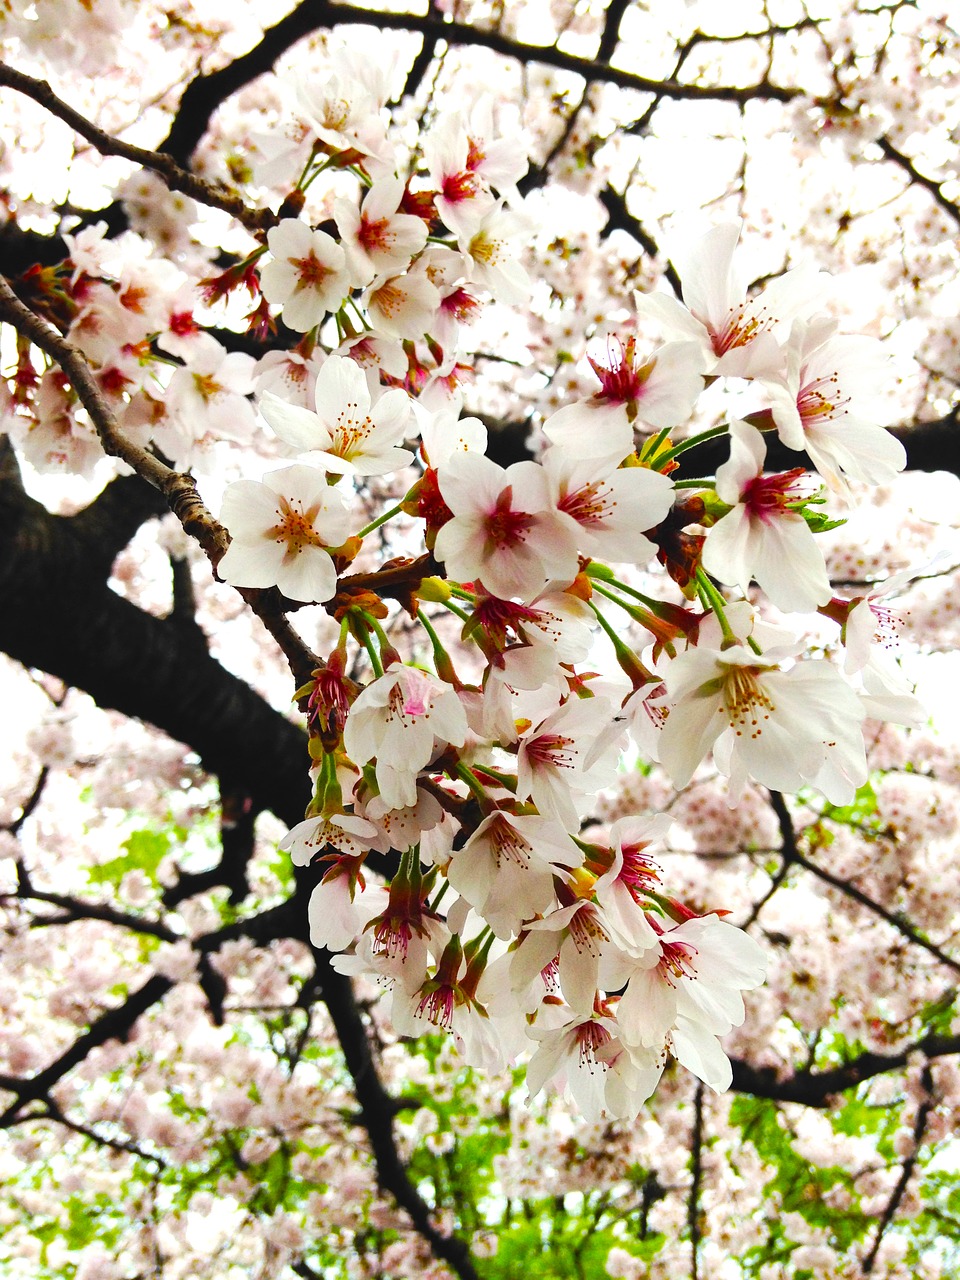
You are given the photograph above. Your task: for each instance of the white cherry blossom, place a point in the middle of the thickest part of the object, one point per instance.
(506, 530)
(737, 335)
(397, 719)
(377, 239)
(763, 722)
(307, 274)
(350, 433)
(281, 528)
(612, 506)
(825, 402)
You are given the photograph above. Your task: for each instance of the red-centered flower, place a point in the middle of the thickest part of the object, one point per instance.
(762, 536)
(506, 531)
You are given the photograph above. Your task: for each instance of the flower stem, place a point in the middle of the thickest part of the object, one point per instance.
(363, 627)
(375, 524)
(712, 599)
(684, 445)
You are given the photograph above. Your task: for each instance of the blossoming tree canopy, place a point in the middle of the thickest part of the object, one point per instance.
(541, 484)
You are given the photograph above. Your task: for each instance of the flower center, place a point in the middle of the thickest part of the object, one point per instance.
(621, 381)
(739, 329)
(818, 401)
(375, 235)
(589, 505)
(504, 526)
(295, 527)
(591, 1036)
(460, 186)
(552, 750)
(508, 844)
(767, 497)
(311, 272)
(746, 704)
(676, 961)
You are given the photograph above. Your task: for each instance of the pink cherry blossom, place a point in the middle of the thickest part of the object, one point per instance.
(506, 530)
(762, 537)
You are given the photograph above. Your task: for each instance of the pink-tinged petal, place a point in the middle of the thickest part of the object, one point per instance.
(471, 483)
(578, 975)
(672, 317)
(596, 432)
(647, 1008)
(747, 455)
(690, 731)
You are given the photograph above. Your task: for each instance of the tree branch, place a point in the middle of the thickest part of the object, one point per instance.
(377, 1115)
(462, 34)
(906, 1172)
(818, 1088)
(176, 178)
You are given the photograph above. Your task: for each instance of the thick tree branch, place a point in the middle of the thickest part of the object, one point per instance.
(60, 616)
(377, 1114)
(818, 1088)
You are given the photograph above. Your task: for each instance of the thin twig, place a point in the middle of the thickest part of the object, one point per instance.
(696, 1172)
(792, 854)
(176, 178)
(906, 1172)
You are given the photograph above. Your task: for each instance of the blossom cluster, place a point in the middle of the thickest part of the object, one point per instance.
(454, 787)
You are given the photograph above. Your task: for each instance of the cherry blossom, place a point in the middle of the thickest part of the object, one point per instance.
(505, 529)
(824, 403)
(349, 433)
(376, 237)
(282, 528)
(660, 391)
(764, 536)
(774, 725)
(397, 719)
(307, 274)
(612, 506)
(735, 333)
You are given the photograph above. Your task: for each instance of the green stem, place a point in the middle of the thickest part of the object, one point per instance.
(508, 780)
(441, 659)
(611, 633)
(714, 600)
(604, 591)
(466, 774)
(439, 898)
(461, 613)
(368, 644)
(684, 445)
(703, 482)
(375, 524)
